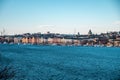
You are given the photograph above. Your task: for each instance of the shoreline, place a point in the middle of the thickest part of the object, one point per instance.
(59, 45)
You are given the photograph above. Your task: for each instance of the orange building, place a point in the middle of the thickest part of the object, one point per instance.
(24, 40)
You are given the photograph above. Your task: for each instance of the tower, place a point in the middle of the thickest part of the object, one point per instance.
(90, 32)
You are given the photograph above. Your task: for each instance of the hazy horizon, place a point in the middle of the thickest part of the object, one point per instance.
(59, 16)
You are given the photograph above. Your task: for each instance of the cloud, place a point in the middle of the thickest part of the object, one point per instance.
(116, 23)
(43, 26)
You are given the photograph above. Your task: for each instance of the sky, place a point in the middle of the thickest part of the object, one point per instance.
(59, 16)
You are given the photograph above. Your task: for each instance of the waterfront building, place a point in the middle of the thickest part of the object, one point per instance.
(34, 40)
(24, 40)
(50, 40)
(41, 40)
(57, 40)
(9, 39)
(68, 41)
(17, 39)
(106, 39)
(76, 41)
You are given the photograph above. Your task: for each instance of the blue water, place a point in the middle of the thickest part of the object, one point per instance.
(39, 62)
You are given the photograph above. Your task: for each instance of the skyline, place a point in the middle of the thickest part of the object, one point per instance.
(59, 16)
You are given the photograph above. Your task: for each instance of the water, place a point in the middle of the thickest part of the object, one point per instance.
(38, 62)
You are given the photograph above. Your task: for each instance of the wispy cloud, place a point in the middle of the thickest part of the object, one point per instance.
(116, 23)
(44, 26)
